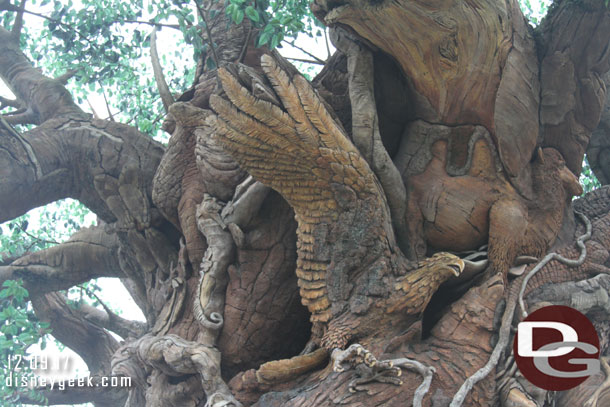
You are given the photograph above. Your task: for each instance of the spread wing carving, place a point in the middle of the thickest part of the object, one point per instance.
(282, 133)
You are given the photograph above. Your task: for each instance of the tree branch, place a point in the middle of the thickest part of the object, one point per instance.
(97, 116)
(64, 78)
(110, 321)
(21, 116)
(110, 116)
(90, 253)
(50, 99)
(5, 102)
(164, 92)
(18, 25)
(307, 61)
(69, 326)
(319, 61)
(209, 33)
(151, 23)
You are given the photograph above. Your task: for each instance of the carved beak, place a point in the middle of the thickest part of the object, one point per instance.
(457, 267)
(570, 182)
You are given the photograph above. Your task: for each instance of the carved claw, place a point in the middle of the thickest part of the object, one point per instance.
(369, 368)
(382, 371)
(389, 376)
(354, 355)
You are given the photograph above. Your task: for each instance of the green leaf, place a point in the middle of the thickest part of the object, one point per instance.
(264, 38)
(252, 14)
(275, 40)
(238, 16)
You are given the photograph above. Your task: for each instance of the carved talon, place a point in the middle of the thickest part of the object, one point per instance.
(354, 355)
(369, 368)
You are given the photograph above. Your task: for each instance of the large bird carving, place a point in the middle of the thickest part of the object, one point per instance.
(350, 270)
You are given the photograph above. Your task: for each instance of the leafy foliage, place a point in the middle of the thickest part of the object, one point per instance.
(588, 180)
(38, 229)
(277, 19)
(106, 43)
(535, 10)
(41, 228)
(19, 330)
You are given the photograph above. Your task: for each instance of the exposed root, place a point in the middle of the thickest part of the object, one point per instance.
(175, 356)
(507, 318)
(580, 242)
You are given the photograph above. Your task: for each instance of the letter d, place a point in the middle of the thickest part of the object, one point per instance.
(525, 332)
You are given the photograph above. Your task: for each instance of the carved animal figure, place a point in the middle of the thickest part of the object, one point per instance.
(464, 212)
(350, 270)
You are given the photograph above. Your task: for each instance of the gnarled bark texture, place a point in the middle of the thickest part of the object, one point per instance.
(289, 246)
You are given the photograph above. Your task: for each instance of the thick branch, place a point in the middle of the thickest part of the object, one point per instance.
(46, 97)
(18, 25)
(90, 253)
(9, 102)
(164, 92)
(65, 77)
(60, 158)
(110, 321)
(92, 343)
(21, 116)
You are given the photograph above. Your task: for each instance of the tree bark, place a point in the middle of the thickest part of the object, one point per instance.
(285, 246)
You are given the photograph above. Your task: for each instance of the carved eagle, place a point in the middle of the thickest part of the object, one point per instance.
(348, 262)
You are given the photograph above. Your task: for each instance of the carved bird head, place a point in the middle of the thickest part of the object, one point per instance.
(413, 291)
(552, 164)
(445, 265)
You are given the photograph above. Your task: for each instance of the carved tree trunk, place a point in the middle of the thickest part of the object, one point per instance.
(291, 231)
